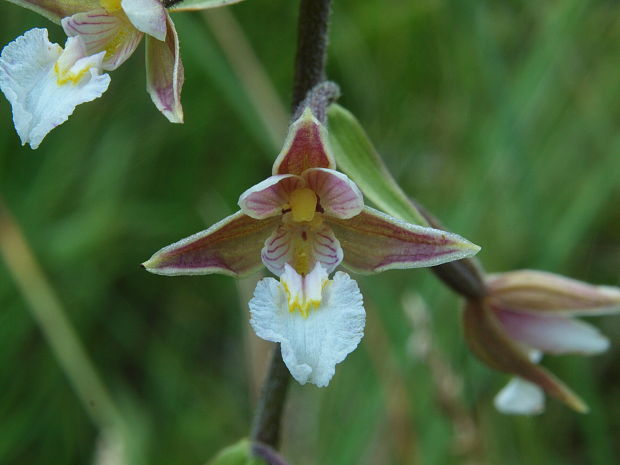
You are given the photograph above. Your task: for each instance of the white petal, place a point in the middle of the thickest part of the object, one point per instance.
(520, 397)
(554, 335)
(42, 98)
(312, 346)
(148, 16)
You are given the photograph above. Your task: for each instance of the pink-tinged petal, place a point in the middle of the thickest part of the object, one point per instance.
(373, 241)
(231, 247)
(305, 147)
(339, 196)
(148, 16)
(55, 10)
(301, 245)
(164, 74)
(553, 334)
(547, 293)
(103, 31)
(269, 197)
(486, 337)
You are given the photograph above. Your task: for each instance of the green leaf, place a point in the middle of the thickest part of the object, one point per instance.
(192, 5)
(356, 156)
(237, 454)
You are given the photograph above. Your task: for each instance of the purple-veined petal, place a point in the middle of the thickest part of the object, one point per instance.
(301, 245)
(164, 74)
(267, 198)
(148, 16)
(231, 247)
(553, 334)
(339, 196)
(305, 147)
(486, 337)
(541, 292)
(373, 241)
(55, 10)
(103, 31)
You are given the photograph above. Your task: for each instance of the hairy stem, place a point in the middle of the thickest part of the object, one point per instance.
(311, 47)
(309, 72)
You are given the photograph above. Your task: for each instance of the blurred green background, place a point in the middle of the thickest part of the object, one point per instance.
(501, 116)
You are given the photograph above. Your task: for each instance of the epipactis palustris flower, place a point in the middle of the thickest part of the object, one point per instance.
(301, 223)
(529, 313)
(116, 27)
(44, 83)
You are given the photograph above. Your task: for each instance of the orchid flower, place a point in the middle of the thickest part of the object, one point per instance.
(44, 83)
(116, 28)
(530, 313)
(301, 223)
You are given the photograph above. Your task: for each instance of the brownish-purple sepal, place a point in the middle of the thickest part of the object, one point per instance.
(547, 293)
(373, 242)
(165, 74)
(231, 247)
(305, 147)
(488, 340)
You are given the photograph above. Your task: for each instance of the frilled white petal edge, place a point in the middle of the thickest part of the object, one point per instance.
(148, 16)
(44, 84)
(312, 346)
(520, 397)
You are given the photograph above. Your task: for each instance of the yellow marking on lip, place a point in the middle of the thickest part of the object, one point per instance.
(305, 306)
(67, 76)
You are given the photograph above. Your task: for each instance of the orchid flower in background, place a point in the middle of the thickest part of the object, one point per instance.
(530, 313)
(301, 223)
(111, 29)
(44, 83)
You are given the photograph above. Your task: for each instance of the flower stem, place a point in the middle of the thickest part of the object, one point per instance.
(266, 426)
(309, 71)
(311, 47)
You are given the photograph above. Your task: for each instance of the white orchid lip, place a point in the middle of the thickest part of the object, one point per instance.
(317, 321)
(520, 397)
(44, 83)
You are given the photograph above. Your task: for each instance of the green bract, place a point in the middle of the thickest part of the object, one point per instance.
(357, 157)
